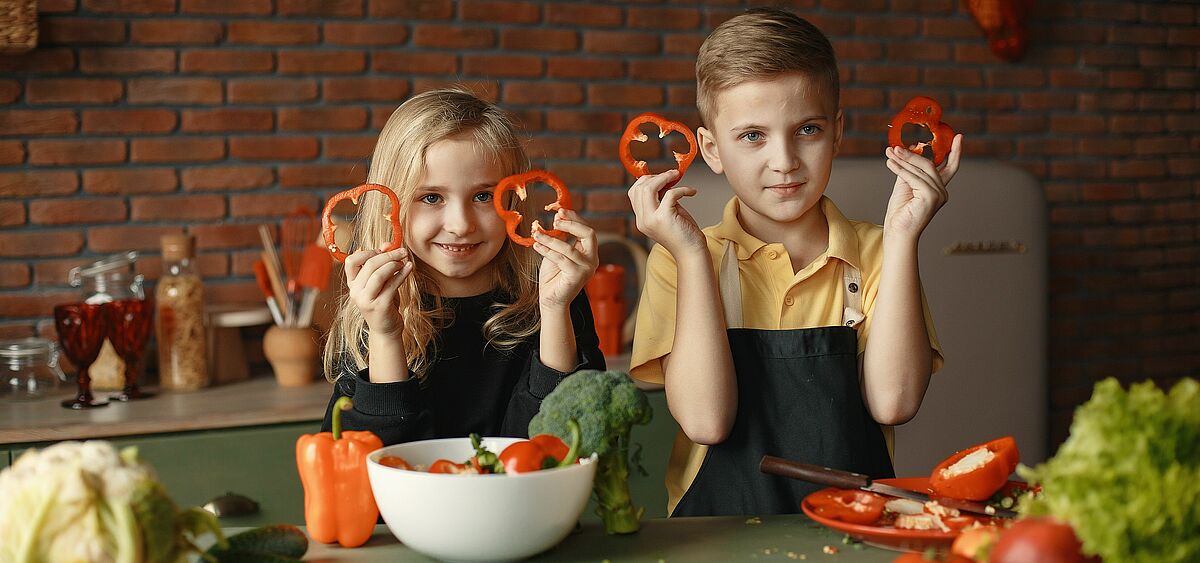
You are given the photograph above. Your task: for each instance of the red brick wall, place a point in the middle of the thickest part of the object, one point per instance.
(134, 118)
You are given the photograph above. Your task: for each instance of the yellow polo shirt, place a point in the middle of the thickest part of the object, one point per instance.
(773, 298)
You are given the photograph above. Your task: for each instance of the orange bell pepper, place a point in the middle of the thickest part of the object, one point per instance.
(338, 503)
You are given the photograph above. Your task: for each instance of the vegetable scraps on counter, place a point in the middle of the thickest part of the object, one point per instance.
(1127, 478)
(977, 472)
(926, 112)
(633, 133)
(338, 503)
(607, 404)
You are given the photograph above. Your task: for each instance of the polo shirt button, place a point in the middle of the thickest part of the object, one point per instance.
(788, 300)
(773, 255)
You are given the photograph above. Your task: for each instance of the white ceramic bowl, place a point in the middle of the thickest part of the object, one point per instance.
(476, 517)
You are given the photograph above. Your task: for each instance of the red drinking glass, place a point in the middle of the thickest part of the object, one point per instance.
(129, 330)
(81, 330)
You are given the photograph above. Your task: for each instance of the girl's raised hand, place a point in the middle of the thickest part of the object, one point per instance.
(567, 266)
(372, 279)
(920, 189)
(662, 218)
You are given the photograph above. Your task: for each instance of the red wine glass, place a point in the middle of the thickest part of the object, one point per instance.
(129, 330)
(81, 330)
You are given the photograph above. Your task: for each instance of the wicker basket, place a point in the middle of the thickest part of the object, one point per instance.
(18, 26)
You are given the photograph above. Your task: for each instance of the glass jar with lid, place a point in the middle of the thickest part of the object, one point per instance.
(29, 369)
(109, 279)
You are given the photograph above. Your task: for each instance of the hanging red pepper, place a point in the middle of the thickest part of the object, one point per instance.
(517, 184)
(338, 504)
(352, 194)
(925, 111)
(665, 126)
(1003, 22)
(984, 469)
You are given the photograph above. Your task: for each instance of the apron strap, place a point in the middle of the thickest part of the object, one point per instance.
(852, 315)
(729, 280)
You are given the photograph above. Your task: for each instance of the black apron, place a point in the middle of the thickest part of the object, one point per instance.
(799, 398)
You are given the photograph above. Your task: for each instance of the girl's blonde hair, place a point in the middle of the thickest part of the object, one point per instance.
(399, 163)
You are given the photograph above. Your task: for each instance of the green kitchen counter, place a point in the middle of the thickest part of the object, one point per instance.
(762, 539)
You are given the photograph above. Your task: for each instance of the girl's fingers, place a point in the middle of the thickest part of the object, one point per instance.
(586, 241)
(561, 247)
(564, 264)
(355, 261)
(374, 283)
(394, 284)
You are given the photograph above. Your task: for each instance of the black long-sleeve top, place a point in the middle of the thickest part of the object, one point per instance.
(470, 387)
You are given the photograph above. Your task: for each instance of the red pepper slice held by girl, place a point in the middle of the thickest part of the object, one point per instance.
(393, 216)
(977, 472)
(924, 111)
(517, 184)
(665, 126)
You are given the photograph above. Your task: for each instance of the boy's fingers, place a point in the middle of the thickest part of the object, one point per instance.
(919, 166)
(950, 167)
(673, 195)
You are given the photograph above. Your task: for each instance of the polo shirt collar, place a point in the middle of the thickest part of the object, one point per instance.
(843, 239)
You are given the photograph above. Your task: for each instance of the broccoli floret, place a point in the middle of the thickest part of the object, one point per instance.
(607, 404)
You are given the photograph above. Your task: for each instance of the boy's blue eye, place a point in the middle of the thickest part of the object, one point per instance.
(483, 197)
(752, 136)
(810, 130)
(431, 199)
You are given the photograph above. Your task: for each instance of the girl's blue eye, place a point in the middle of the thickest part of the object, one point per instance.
(752, 136)
(810, 130)
(431, 199)
(483, 197)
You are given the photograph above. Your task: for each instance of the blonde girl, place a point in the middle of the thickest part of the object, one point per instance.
(460, 330)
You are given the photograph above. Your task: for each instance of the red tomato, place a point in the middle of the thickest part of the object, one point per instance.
(982, 482)
(523, 457)
(552, 445)
(970, 542)
(447, 466)
(1038, 540)
(394, 461)
(848, 505)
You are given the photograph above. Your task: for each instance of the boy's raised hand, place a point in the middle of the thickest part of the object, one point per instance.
(920, 189)
(663, 219)
(372, 280)
(567, 266)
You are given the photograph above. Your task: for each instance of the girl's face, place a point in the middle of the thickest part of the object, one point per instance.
(452, 226)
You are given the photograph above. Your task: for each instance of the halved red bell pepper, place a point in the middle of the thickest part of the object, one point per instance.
(447, 466)
(924, 111)
(980, 480)
(393, 216)
(848, 505)
(665, 126)
(517, 184)
(338, 503)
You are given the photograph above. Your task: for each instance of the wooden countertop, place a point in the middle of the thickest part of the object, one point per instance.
(256, 401)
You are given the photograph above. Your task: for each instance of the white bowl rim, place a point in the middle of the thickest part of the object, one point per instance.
(373, 459)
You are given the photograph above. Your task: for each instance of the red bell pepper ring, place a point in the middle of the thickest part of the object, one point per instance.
(517, 184)
(976, 482)
(665, 126)
(352, 194)
(924, 111)
(848, 505)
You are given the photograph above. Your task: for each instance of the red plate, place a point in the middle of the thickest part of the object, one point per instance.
(887, 536)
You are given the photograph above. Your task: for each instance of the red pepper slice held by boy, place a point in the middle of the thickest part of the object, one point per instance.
(665, 126)
(518, 183)
(353, 194)
(338, 503)
(926, 112)
(976, 473)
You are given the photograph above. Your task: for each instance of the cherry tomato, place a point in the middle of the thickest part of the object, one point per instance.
(395, 461)
(848, 505)
(552, 445)
(1038, 540)
(523, 457)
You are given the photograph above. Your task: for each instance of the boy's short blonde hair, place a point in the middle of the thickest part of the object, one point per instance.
(761, 44)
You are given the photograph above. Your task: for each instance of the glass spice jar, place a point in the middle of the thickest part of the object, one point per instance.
(179, 301)
(29, 369)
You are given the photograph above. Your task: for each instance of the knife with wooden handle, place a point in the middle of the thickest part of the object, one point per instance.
(847, 480)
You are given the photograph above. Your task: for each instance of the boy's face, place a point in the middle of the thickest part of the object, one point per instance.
(775, 141)
(452, 225)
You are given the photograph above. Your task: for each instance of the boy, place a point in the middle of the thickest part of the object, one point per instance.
(758, 325)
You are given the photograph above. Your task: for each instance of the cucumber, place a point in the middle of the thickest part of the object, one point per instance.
(281, 542)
